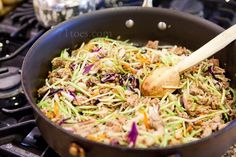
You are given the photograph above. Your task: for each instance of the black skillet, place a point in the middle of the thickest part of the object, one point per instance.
(144, 24)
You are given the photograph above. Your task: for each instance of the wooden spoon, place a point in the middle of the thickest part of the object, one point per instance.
(167, 79)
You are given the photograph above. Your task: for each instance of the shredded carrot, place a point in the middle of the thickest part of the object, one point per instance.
(159, 64)
(56, 109)
(199, 122)
(97, 138)
(92, 137)
(50, 115)
(87, 121)
(101, 137)
(128, 67)
(194, 69)
(142, 59)
(95, 93)
(89, 47)
(146, 120)
(189, 128)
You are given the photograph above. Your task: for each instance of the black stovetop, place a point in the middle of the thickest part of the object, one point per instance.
(19, 135)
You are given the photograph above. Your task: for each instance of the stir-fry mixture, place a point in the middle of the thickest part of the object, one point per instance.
(94, 92)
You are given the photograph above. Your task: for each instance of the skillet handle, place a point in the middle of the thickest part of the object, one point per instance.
(147, 3)
(76, 151)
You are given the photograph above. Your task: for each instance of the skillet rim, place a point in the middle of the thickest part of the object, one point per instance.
(112, 11)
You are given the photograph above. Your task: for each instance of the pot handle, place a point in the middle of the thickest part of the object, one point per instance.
(147, 3)
(76, 151)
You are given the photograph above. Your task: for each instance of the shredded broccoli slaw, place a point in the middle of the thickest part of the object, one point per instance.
(94, 92)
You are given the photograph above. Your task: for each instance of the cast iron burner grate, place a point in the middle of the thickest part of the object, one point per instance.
(21, 22)
(18, 31)
(224, 15)
(9, 44)
(19, 135)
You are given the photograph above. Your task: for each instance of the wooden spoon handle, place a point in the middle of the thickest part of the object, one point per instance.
(210, 48)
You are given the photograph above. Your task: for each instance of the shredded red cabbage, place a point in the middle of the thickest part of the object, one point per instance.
(96, 49)
(109, 78)
(184, 102)
(73, 66)
(54, 91)
(133, 134)
(133, 83)
(63, 121)
(97, 102)
(114, 142)
(72, 94)
(88, 68)
(211, 71)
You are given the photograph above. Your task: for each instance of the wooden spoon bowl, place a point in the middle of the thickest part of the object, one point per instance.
(167, 79)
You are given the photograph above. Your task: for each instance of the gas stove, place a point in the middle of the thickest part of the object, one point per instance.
(19, 135)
